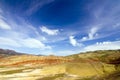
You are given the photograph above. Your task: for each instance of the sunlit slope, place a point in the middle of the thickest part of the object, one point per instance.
(80, 69)
(97, 65)
(31, 60)
(106, 56)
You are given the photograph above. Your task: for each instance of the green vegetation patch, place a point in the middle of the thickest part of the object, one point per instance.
(52, 77)
(11, 71)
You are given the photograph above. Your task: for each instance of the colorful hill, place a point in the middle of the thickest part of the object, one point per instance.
(95, 65)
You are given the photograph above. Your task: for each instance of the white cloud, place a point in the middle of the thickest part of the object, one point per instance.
(74, 42)
(106, 16)
(66, 52)
(106, 45)
(26, 43)
(9, 42)
(49, 31)
(4, 25)
(92, 34)
(22, 35)
(34, 43)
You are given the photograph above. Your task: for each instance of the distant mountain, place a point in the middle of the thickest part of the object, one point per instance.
(7, 52)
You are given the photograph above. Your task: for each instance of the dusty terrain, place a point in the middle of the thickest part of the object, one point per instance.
(98, 65)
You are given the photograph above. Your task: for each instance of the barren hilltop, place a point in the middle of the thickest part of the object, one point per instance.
(94, 65)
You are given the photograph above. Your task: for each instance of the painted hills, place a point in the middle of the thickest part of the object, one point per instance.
(95, 65)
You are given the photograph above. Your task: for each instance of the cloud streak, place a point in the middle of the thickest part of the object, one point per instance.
(104, 22)
(49, 31)
(3, 23)
(17, 34)
(36, 5)
(8, 42)
(34, 43)
(106, 45)
(74, 42)
(91, 35)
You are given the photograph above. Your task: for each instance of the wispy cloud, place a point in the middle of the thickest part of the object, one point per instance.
(74, 42)
(37, 4)
(67, 52)
(105, 20)
(49, 31)
(3, 23)
(8, 42)
(23, 43)
(106, 45)
(34, 43)
(92, 34)
(20, 34)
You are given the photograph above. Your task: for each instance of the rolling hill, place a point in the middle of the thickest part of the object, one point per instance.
(94, 65)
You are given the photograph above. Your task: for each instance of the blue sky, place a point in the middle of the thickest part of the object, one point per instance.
(59, 27)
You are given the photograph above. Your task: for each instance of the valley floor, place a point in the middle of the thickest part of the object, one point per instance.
(24, 73)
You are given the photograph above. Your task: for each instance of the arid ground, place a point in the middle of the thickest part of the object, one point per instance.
(97, 65)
